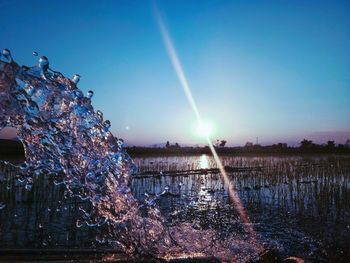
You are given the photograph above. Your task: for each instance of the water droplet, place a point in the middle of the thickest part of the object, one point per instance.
(28, 187)
(21, 180)
(35, 54)
(99, 114)
(107, 124)
(56, 182)
(24, 166)
(44, 63)
(2, 205)
(77, 94)
(40, 226)
(89, 94)
(30, 90)
(7, 54)
(100, 239)
(79, 223)
(120, 142)
(102, 222)
(76, 78)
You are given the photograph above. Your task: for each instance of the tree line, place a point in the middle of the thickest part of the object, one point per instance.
(305, 146)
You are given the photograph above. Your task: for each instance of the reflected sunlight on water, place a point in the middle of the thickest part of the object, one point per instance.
(204, 162)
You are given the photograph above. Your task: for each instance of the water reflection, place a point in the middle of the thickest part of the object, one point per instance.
(297, 204)
(204, 162)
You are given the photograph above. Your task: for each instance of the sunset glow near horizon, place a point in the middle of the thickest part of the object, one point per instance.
(277, 71)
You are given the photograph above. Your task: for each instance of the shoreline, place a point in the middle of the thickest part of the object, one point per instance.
(13, 150)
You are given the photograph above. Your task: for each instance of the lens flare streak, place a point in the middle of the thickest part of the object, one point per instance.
(176, 63)
(186, 87)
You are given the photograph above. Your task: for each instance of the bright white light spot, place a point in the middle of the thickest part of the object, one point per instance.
(204, 162)
(204, 129)
(127, 128)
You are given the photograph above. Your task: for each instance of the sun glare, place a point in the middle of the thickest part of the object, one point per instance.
(204, 161)
(204, 129)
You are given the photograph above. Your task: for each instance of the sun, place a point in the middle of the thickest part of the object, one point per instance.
(204, 129)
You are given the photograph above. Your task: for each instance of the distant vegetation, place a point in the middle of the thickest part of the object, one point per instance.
(306, 147)
(10, 149)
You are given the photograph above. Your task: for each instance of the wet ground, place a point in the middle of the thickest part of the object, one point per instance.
(299, 206)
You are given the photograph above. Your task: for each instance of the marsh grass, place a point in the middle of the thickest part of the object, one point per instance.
(299, 205)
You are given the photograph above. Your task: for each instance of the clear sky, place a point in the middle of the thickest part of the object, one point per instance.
(277, 70)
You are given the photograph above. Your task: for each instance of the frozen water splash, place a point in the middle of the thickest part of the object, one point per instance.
(66, 138)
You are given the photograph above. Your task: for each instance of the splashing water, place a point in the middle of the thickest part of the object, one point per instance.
(59, 128)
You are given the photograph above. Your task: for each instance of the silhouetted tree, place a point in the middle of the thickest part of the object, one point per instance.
(223, 143)
(347, 143)
(248, 145)
(177, 145)
(282, 145)
(306, 143)
(341, 146)
(330, 144)
(167, 145)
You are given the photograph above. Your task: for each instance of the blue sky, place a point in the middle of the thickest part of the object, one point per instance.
(277, 70)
